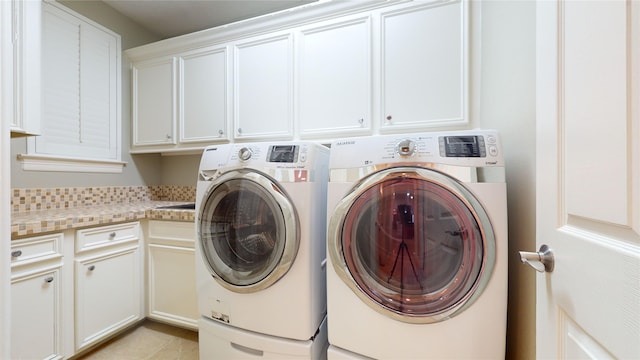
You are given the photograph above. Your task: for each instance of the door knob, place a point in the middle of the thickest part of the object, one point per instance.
(542, 260)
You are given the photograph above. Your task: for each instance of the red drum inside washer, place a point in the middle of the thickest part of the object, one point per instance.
(413, 246)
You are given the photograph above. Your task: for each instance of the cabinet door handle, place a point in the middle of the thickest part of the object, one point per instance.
(239, 130)
(91, 267)
(48, 279)
(112, 235)
(16, 253)
(220, 132)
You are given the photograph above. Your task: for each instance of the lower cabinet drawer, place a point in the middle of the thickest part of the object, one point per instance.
(39, 248)
(93, 238)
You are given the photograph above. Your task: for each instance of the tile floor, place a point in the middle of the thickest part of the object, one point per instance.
(149, 340)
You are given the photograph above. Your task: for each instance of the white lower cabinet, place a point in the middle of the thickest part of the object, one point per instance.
(108, 286)
(36, 298)
(60, 308)
(171, 273)
(35, 315)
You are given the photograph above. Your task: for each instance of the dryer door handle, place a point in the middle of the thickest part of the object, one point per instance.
(541, 261)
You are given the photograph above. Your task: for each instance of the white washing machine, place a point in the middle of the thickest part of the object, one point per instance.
(261, 252)
(417, 247)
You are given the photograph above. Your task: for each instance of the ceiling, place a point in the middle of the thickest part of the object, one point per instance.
(169, 18)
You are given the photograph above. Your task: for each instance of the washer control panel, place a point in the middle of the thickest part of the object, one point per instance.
(477, 148)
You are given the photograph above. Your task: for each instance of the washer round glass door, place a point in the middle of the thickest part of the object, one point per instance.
(412, 243)
(247, 231)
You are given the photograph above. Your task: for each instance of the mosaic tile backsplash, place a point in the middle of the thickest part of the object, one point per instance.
(34, 199)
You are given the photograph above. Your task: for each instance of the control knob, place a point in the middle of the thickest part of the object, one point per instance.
(406, 147)
(245, 154)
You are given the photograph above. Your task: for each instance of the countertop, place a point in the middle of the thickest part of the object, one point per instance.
(43, 221)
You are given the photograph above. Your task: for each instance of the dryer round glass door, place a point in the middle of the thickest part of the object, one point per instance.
(413, 243)
(247, 231)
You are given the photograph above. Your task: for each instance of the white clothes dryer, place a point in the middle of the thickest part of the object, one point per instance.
(417, 243)
(261, 247)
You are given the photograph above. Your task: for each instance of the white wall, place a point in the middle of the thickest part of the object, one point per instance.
(180, 170)
(507, 103)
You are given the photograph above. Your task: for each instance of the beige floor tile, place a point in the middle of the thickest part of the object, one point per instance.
(149, 341)
(178, 349)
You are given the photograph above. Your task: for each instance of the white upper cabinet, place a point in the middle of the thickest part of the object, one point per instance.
(180, 101)
(263, 87)
(203, 95)
(327, 70)
(20, 55)
(80, 87)
(423, 59)
(80, 90)
(334, 78)
(154, 102)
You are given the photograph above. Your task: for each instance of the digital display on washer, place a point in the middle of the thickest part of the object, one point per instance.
(462, 146)
(283, 154)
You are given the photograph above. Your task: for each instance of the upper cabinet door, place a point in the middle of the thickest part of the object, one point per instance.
(203, 94)
(81, 88)
(263, 80)
(154, 102)
(21, 44)
(424, 51)
(99, 92)
(334, 78)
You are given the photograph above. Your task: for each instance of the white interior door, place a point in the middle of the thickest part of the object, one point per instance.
(588, 178)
